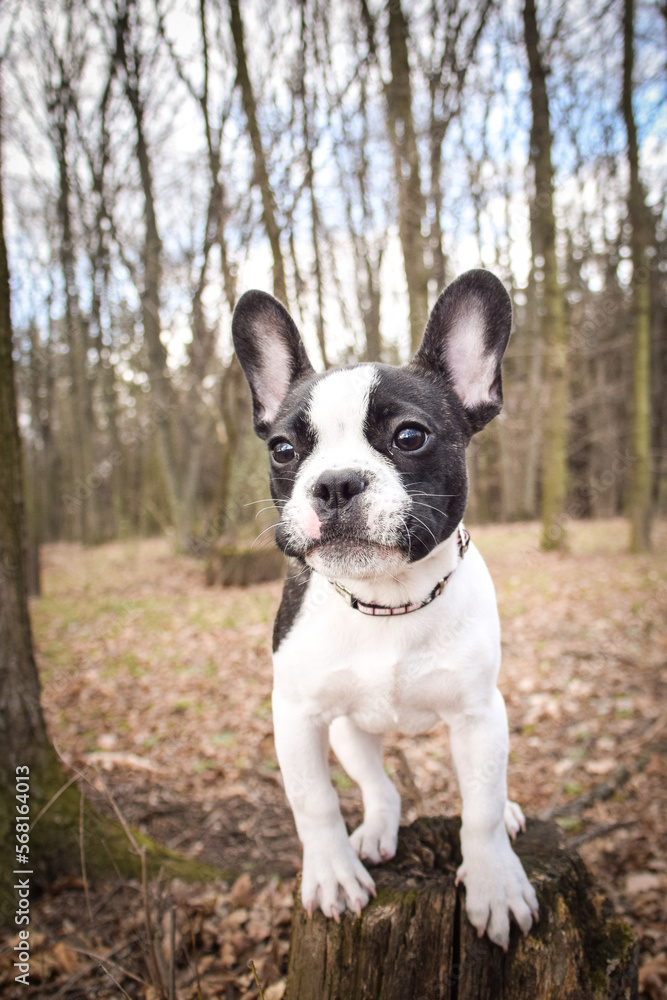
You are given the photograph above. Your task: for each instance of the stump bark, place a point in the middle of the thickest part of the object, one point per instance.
(414, 942)
(234, 566)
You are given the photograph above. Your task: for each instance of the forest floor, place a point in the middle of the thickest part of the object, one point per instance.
(158, 689)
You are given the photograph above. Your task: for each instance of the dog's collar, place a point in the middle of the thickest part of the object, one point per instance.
(381, 610)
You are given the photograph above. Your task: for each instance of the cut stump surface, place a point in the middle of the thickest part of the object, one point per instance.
(414, 942)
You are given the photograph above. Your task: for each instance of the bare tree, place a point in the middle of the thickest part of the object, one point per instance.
(640, 499)
(261, 177)
(62, 64)
(452, 56)
(553, 324)
(181, 482)
(411, 201)
(309, 140)
(195, 416)
(22, 728)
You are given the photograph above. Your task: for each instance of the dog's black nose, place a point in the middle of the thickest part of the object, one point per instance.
(335, 489)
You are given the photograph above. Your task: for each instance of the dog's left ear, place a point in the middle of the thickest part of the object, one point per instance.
(271, 353)
(465, 339)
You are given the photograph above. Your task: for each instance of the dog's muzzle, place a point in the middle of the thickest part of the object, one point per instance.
(335, 491)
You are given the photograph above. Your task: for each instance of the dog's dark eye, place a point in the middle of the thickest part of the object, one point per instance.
(283, 452)
(410, 438)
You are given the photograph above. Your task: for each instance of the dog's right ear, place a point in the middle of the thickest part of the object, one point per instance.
(271, 353)
(465, 339)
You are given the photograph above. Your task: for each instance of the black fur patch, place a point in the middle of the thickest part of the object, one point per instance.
(435, 477)
(294, 591)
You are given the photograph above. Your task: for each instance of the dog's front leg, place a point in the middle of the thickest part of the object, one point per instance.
(333, 877)
(495, 881)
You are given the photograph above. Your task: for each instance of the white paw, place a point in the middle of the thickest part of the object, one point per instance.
(334, 879)
(496, 886)
(514, 819)
(375, 840)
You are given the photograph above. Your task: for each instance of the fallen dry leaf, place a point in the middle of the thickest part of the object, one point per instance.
(276, 991)
(604, 766)
(653, 977)
(64, 958)
(643, 882)
(242, 891)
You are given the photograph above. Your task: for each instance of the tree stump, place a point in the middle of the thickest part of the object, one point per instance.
(414, 942)
(238, 566)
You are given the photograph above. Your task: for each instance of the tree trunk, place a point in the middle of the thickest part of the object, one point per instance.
(235, 409)
(463, 26)
(261, 169)
(554, 326)
(309, 145)
(112, 523)
(21, 722)
(640, 497)
(415, 940)
(370, 301)
(530, 465)
(367, 238)
(81, 400)
(411, 202)
(437, 131)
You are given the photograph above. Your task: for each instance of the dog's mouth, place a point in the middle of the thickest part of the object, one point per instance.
(350, 546)
(353, 557)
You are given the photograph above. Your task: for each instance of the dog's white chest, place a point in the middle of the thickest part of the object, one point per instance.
(400, 674)
(380, 695)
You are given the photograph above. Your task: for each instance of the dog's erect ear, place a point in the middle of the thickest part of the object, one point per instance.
(271, 353)
(465, 339)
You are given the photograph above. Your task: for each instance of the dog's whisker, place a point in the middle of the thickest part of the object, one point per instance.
(302, 571)
(263, 511)
(265, 500)
(256, 539)
(426, 526)
(407, 531)
(423, 493)
(420, 503)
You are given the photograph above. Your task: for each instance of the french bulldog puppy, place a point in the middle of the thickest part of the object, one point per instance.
(388, 619)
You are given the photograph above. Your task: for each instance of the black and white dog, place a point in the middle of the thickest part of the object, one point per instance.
(386, 621)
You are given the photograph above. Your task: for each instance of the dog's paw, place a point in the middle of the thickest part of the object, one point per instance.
(497, 886)
(333, 880)
(514, 819)
(376, 839)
